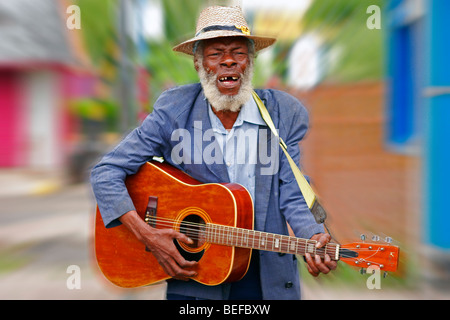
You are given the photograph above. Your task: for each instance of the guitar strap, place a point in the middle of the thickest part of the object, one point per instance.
(310, 197)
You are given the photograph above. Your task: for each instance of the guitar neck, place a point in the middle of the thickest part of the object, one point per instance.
(245, 238)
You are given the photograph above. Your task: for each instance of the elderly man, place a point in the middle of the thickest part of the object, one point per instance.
(223, 51)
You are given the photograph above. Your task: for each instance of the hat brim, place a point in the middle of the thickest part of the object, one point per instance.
(188, 46)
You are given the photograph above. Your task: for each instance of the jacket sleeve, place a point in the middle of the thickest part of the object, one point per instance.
(108, 176)
(293, 127)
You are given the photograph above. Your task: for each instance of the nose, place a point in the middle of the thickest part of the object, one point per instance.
(228, 61)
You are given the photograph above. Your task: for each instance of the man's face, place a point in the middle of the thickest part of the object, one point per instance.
(227, 58)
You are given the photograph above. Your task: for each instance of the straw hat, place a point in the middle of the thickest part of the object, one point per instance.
(217, 21)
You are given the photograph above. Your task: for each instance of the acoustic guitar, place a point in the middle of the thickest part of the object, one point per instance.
(218, 217)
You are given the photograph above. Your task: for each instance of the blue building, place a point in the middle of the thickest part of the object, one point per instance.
(418, 108)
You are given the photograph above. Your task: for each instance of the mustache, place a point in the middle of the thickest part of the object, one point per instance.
(222, 102)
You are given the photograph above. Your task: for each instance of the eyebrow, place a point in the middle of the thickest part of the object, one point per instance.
(221, 49)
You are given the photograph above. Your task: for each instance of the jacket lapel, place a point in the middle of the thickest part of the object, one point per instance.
(264, 174)
(207, 153)
(209, 158)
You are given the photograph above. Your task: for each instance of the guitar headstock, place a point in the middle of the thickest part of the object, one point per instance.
(364, 255)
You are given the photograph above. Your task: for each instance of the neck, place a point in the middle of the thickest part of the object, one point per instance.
(228, 118)
(231, 236)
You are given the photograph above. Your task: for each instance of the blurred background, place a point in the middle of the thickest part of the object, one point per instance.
(77, 75)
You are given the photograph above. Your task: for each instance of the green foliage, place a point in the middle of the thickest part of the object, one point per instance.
(99, 22)
(180, 18)
(360, 54)
(168, 68)
(328, 14)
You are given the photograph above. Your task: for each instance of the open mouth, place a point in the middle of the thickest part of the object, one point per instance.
(229, 79)
(228, 83)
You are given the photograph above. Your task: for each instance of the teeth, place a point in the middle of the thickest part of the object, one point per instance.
(225, 78)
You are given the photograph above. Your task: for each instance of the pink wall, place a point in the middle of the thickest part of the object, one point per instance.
(13, 121)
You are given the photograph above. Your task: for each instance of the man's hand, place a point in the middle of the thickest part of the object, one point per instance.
(160, 242)
(316, 265)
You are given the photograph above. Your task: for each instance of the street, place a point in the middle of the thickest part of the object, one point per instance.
(46, 251)
(42, 235)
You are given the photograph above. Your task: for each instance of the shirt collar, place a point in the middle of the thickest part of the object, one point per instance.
(249, 113)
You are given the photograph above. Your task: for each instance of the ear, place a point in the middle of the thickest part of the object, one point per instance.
(196, 63)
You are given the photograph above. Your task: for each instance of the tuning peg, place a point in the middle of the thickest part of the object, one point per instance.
(385, 274)
(388, 240)
(375, 238)
(363, 237)
(362, 271)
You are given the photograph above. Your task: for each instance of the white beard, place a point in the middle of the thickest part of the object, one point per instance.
(223, 102)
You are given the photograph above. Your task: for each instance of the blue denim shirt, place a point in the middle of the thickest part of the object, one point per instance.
(239, 145)
(277, 198)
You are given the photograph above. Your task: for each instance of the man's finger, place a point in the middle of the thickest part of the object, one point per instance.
(311, 266)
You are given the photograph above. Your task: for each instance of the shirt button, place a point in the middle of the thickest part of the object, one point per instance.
(228, 163)
(288, 285)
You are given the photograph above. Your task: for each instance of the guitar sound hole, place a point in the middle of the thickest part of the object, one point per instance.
(193, 226)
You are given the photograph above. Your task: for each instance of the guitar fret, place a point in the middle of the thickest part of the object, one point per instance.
(234, 236)
(258, 239)
(253, 239)
(247, 238)
(302, 246)
(284, 244)
(216, 233)
(230, 236)
(216, 236)
(310, 247)
(225, 235)
(270, 241)
(263, 240)
(220, 234)
(292, 246)
(211, 232)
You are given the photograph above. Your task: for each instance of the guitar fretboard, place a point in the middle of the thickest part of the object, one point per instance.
(245, 238)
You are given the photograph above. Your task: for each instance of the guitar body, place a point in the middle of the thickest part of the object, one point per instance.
(180, 200)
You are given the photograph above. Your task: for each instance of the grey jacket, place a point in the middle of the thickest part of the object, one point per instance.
(278, 199)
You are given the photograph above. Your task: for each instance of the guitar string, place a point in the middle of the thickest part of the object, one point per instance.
(285, 245)
(194, 232)
(173, 224)
(234, 238)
